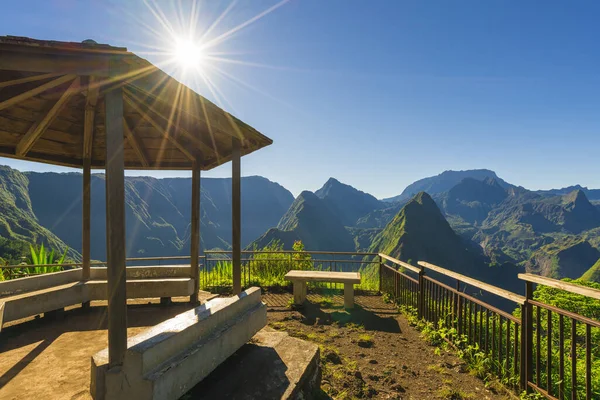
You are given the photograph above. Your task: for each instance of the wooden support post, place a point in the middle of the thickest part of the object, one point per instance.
(86, 219)
(236, 194)
(195, 234)
(115, 228)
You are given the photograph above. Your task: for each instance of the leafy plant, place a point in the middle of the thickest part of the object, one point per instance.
(42, 259)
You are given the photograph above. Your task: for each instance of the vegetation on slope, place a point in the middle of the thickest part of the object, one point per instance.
(311, 221)
(18, 221)
(568, 257)
(593, 274)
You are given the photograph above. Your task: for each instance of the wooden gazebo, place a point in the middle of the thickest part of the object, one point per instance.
(87, 105)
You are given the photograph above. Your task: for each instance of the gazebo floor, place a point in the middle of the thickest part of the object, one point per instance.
(50, 359)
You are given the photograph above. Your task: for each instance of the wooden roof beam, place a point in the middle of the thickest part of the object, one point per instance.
(27, 79)
(135, 144)
(205, 147)
(35, 91)
(88, 120)
(38, 128)
(159, 128)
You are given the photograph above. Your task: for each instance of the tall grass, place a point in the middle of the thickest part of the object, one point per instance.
(268, 266)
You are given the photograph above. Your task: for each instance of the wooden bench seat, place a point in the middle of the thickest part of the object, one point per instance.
(301, 278)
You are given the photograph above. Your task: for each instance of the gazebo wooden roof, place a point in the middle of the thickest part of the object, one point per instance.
(96, 106)
(52, 109)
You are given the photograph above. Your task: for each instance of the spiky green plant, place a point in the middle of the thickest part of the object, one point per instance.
(41, 258)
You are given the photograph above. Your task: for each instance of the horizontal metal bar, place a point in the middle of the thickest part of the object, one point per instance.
(568, 314)
(349, 253)
(401, 274)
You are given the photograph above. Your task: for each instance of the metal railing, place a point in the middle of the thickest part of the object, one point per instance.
(25, 270)
(527, 349)
(268, 268)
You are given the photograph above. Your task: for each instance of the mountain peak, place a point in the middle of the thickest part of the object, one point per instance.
(445, 181)
(332, 181)
(346, 202)
(576, 198)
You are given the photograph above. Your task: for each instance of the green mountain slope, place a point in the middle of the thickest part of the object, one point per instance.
(593, 274)
(473, 199)
(566, 258)
(47, 206)
(419, 232)
(310, 220)
(347, 203)
(18, 221)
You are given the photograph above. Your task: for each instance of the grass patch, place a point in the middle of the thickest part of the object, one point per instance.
(449, 393)
(365, 340)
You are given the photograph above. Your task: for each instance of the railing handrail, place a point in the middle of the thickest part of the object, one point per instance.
(474, 282)
(348, 253)
(566, 286)
(79, 264)
(401, 263)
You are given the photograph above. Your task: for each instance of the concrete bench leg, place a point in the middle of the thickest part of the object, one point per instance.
(348, 295)
(55, 314)
(299, 292)
(165, 301)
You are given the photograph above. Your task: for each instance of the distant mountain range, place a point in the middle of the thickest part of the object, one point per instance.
(444, 182)
(46, 207)
(469, 221)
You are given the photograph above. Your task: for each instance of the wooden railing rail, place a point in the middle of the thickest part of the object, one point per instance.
(400, 263)
(566, 286)
(545, 348)
(475, 283)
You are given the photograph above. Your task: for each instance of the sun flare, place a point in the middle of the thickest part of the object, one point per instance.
(189, 54)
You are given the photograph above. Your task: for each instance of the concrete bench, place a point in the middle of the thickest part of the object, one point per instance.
(301, 278)
(167, 360)
(26, 297)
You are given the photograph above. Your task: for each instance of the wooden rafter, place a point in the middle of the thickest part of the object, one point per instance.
(158, 127)
(135, 144)
(89, 113)
(205, 147)
(27, 79)
(38, 128)
(35, 91)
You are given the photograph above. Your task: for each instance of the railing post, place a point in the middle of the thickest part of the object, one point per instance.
(380, 271)
(527, 333)
(421, 304)
(458, 309)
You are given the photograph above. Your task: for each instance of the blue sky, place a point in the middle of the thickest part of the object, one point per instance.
(379, 93)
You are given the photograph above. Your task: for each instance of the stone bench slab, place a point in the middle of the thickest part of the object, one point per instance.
(323, 276)
(272, 365)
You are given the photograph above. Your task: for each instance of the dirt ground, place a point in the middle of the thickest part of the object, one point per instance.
(41, 358)
(372, 352)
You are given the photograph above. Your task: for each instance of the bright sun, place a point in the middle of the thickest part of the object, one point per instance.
(189, 54)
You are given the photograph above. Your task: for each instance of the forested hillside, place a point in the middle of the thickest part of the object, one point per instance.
(470, 221)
